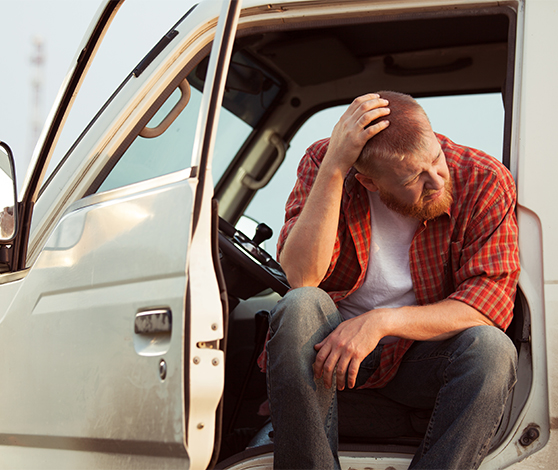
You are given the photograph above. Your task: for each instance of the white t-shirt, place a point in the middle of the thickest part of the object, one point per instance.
(388, 282)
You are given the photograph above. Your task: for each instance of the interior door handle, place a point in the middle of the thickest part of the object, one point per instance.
(252, 183)
(149, 322)
(150, 132)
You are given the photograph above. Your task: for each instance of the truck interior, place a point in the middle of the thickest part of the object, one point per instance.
(281, 74)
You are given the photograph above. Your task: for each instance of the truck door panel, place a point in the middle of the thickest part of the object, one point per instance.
(97, 384)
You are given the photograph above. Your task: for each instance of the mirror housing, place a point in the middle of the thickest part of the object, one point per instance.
(8, 196)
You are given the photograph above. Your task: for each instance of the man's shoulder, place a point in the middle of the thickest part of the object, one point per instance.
(480, 182)
(468, 164)
(317, 150)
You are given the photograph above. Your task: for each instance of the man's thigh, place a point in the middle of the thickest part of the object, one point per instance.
(403, 406)
(430, 365)
(388, 411)
(392, 411)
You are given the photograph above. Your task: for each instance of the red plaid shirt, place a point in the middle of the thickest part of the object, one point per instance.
(468, 254)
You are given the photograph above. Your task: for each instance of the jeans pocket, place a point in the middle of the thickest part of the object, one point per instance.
(369, 365)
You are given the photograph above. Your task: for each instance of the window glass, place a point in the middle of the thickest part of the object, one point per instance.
(150, 157)
(172, 151)
(250, 91)
(116, 58)
(473, 120)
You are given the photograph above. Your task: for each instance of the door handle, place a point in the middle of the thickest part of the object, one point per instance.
(149, 322)
(150, 132)
(281, 147)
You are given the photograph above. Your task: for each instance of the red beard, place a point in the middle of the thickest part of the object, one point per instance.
(422, 210)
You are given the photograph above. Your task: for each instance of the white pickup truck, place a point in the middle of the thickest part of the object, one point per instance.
(129, 297)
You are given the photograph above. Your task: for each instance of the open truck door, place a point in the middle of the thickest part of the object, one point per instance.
(113, 367)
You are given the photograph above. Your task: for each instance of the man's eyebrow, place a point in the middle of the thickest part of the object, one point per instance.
(410, 178)
(415, 175)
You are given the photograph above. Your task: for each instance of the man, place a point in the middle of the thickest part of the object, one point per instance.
(414, 240)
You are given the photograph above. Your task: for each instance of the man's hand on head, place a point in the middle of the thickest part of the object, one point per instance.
(351, 133)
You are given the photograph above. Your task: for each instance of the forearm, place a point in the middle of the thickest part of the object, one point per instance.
(434, 322)
(307, 253)
(354, 339)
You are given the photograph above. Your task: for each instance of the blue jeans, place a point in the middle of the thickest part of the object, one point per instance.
(464, 380)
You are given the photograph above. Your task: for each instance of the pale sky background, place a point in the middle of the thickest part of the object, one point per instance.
(61, 24)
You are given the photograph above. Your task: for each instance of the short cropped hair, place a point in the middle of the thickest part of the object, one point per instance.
(406, 133)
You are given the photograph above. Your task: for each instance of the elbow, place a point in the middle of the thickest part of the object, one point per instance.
(297, 281)
(299, 277)
(301, 272)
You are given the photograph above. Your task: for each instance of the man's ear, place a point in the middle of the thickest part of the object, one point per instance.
(367, 182)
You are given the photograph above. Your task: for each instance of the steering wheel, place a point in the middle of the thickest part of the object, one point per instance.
(248, 269)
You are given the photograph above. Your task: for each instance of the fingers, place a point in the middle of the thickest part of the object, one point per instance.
(326, 360)
(369, 117)
(342, 351)
(336, 361)
(364, 110)
(367, 108)
(352, 374)
(354, 129)
(321, 357)
(365, 114)
(377, 127)
(341, 373)
(341, 369)
(373, 114)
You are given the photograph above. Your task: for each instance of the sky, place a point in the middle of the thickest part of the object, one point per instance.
(61, 25)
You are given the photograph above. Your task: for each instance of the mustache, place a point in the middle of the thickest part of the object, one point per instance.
(448, 186)
(429, 192)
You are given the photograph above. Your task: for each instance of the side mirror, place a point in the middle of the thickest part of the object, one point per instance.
(8, 195)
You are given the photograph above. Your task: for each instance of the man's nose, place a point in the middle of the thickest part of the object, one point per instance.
(435, 181)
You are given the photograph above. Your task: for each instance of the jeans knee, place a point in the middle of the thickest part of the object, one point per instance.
(302, 319)
(493, 354)
(302, 309)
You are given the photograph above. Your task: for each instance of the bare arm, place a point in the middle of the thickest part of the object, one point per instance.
(307, 252)
(354, 339)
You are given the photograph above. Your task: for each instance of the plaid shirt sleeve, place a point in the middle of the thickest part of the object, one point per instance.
(485, 259)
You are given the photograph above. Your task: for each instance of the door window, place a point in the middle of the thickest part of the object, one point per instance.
(250, 92)
(171, 151)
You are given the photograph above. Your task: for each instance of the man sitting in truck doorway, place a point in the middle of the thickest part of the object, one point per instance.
(401, 249)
